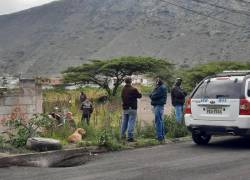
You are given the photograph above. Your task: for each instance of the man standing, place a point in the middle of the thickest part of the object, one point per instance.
(87, 109)
(178, 99)
(158, 100)
(82, 97)
(129, 98)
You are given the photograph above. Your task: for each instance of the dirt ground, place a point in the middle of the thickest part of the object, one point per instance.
(145, 114)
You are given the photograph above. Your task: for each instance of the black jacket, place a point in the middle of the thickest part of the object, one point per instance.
(178, 96)
(129, 97)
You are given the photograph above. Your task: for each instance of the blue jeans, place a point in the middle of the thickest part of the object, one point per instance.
(179, 113)
(159, 122)
(128, 122)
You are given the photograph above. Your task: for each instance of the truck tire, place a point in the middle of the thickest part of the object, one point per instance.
(201, 138)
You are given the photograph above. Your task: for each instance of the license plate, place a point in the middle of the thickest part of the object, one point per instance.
(214, 111)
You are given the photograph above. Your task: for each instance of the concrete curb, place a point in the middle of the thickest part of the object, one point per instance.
(49, 158)
(60, 157)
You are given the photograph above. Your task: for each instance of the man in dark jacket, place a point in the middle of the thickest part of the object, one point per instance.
(129, 99)
(158, 100)
(178, 99)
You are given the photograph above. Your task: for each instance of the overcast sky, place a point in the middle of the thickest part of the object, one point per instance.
(10, 6)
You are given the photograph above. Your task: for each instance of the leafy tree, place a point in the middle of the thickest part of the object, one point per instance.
(100, 72)
(194, 75)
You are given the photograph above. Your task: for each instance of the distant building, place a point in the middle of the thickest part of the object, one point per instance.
(50, 82)
(136, 80)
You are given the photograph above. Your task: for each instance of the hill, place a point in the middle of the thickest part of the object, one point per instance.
(49, 38)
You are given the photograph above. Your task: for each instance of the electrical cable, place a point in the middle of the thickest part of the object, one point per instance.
(202, 14)
(223, 7)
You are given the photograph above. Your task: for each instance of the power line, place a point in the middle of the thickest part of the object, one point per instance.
(202, 14)
(223, 7)
(243, 1)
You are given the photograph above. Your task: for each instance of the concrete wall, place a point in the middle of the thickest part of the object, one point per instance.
(23, 101)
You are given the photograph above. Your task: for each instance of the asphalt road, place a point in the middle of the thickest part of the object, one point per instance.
(224, 158)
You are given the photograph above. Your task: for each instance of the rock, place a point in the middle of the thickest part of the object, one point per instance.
(43, 144)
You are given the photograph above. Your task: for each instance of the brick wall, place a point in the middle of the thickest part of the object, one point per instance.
(23, 101)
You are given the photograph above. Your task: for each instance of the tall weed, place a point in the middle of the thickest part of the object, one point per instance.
(174, 129)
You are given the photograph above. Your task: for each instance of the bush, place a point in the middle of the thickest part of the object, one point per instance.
(21, 137)
(146, 89)
(2, 141)
(192, 76)
(22, 130)
(91, 133)
(174, 129)
(107, 140)
(147, 131)
(146, 142)
(61, 133)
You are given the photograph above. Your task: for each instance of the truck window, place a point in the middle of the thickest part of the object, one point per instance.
(219, 89)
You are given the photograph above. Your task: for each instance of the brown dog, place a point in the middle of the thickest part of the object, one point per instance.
(76, 136)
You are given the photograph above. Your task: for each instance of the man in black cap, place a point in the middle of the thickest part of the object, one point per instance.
(178, 99)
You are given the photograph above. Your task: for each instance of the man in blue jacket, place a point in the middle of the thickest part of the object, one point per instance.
(158, 100)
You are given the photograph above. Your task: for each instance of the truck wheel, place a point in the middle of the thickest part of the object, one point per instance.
(201, 138)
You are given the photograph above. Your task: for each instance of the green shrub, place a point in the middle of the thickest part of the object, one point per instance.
(174, 129)
(60, 133)
(22, 130)
(142, 142)
(107, 140)
(85, 143)
(2, 141)
(146, 89)
(91, 132)
(147, 131)
(20, 139)
(192, 76)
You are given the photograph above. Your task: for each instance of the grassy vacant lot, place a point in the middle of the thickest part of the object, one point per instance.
(104, 128)
(105, 122)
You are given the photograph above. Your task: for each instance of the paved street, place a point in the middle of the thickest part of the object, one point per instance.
(224, 158)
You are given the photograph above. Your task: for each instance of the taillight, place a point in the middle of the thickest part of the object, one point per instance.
(244, 107)
(188, 106)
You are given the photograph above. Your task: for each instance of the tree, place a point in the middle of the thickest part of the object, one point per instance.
(192, 76)
(100, 72)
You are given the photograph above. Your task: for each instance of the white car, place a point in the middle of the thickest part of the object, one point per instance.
(219, 104)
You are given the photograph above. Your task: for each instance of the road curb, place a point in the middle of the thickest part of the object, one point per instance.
(49, 158)
(59, 158)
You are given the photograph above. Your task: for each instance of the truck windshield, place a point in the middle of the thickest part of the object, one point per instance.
(215, 89)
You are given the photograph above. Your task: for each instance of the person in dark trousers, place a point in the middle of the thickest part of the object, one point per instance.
(158, 100)
(87, 109)
(129, 99)
(178, 99)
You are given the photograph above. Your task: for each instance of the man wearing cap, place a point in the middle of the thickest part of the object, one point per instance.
(178, 99)
(129, 99)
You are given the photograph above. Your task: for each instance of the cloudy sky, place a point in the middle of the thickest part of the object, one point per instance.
(10, 6)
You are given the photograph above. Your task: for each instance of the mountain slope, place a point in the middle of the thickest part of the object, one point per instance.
(49, 38)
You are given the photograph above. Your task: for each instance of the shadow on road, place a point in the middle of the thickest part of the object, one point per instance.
(240, 143)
